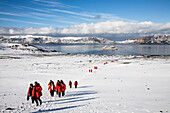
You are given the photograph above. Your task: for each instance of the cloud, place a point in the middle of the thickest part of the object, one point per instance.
(30, 30)
(109, 17)
(97, 17)
(116, 27)
(21, 21)
(108, 27)
(73, 13)
(34, 9)
(36, 16)
(23, 15)
(43, 30)
(44, 15)
(12, 14)
(53, 14)
(53, 4)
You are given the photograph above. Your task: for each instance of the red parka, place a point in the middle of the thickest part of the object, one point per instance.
(57, 84)
(50, 87)
(58, 88)
(75, 83)
(29, 91)
(63, 87)
(37, 91)
(70, 83)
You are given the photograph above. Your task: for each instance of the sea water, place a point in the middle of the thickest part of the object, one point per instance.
(123, 49)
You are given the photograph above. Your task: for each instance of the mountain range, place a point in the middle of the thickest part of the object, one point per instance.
(34, 39)
(152, 39)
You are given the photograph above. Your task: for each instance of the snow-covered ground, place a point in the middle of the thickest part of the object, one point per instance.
(133, 84)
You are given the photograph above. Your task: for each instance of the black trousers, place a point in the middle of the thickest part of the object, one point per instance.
(63, 93)
(36, 100)
(75, 86)
(59, 94)
(70, 86)
(32, 100)
(52, 93)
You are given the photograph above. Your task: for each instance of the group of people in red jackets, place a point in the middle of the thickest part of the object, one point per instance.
(59, 88)
(75, 84)
(35, 92)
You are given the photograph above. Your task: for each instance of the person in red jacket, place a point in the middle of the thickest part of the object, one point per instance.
(36, 93)
(51, 87)
(29, 93)
(70, 84)
(63, 88)
(58, 82)
(58, 88)
(75, 84)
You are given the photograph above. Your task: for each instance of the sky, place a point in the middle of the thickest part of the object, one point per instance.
(110, 18)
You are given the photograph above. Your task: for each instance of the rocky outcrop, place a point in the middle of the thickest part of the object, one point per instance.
(154, 39)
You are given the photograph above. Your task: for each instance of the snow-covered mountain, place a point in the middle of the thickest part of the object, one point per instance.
(13, 48)
(32, 39)
(127, 41)
(154, 39)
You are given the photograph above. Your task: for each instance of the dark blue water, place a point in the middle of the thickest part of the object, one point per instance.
(128, 49)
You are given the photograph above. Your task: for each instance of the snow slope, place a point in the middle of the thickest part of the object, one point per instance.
(12, 50)
(133, 84)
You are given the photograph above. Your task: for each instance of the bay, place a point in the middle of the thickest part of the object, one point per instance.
(123, 49)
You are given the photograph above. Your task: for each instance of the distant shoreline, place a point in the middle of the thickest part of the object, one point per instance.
(38, 50)
(11, 56)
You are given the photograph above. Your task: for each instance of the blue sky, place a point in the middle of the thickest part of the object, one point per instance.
(84, 16)
(61, 13)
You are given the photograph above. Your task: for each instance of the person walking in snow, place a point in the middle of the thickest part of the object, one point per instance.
(70, 84)
(51, 87)
(63, 88)
(58, 82)
(58, 88)
(75, 84)
(29, 93)
(36, 93)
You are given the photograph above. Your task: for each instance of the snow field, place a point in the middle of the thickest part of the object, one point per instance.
(138, 85)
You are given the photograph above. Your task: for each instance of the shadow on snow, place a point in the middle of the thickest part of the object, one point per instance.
(62, 99)
(81, 93)
(57, 109)
(84, 86)
(77, 100)
(70, 99)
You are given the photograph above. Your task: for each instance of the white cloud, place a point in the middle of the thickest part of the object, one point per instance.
(53, 13)
(73, 13)
(43, 30)
(108, 27)
(23, 15)
(21, 21)
(34, 9)
(116, 27)
(35, 17)
(12, 14)
(44, 14)
(53, 4)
